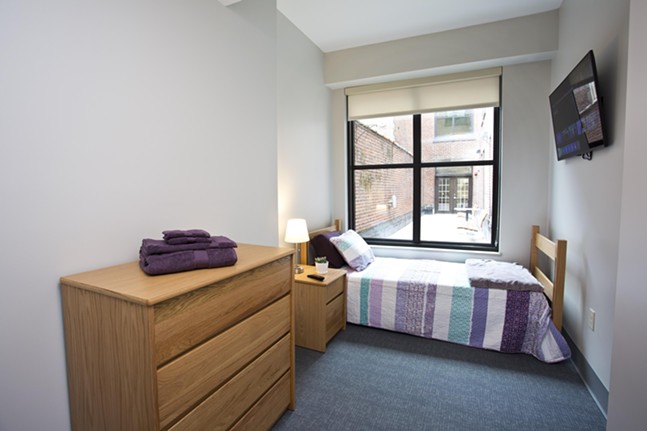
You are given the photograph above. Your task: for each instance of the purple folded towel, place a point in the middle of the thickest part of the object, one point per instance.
(190, 233)
(156, 246)
(188, 240)
(157, 264)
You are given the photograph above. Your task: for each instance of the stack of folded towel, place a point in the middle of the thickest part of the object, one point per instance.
(185, 250)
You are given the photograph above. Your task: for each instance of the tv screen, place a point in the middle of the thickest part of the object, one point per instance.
(576, 109)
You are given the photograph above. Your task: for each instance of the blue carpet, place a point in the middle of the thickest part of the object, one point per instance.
(371, 379)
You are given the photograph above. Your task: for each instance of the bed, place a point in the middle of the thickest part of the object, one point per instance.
(451, 302)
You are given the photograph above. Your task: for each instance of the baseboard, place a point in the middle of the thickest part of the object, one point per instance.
(599, 393)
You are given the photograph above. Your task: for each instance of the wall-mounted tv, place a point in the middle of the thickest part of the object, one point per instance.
(576, 107)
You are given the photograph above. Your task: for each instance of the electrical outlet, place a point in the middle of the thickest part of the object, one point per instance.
(591, 319)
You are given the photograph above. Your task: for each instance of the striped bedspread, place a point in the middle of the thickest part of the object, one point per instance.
(434, 299)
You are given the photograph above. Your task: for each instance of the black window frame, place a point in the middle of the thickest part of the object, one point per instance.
(417, 167)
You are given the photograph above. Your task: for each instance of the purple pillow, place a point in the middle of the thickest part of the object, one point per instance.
(323, 247)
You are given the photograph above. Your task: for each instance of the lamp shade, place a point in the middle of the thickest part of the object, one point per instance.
(296, 231)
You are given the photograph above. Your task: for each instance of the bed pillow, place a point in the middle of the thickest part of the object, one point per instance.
(323, 247)
(355, 251)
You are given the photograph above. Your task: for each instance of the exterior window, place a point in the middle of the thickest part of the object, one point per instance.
(453, 124)
(426, 180)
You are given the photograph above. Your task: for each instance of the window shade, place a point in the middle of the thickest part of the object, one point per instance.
(439, 93)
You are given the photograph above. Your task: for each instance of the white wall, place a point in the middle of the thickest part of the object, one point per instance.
(524, 158)
(119, 119)
(628, 365)
(525, 117)
(304, 130)
(585, 195)
(339, 157)
(512, 41)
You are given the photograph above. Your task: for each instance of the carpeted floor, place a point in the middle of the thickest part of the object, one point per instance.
(370, 379)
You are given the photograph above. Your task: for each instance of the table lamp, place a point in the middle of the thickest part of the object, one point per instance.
(296, 232)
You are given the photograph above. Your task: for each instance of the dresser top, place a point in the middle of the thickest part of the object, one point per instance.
(129, 282)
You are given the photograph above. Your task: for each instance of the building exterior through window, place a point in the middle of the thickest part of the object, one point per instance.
(425, 179)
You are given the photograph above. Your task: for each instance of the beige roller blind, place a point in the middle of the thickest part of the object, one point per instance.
(439, 93)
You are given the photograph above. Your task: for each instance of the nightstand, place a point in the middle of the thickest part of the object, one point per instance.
(320, 307)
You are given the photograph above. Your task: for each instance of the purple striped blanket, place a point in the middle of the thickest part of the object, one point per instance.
(434, 299)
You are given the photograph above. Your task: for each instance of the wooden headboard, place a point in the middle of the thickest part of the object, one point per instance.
(303, 251)
(554, 289)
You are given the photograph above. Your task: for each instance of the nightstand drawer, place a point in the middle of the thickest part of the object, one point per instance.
(189, 378)
(334, 316)
(190, 319)
(334, 289)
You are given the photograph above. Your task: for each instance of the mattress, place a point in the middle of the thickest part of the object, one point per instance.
(434, 299)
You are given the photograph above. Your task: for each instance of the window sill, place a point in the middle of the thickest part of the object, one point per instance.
(450, 255)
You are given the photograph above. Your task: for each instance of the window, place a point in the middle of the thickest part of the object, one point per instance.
(453, 124)
(427, 179)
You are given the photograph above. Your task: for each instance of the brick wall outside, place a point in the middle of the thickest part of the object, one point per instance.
(375, 188)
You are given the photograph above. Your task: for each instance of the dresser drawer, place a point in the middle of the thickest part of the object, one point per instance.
(190, 319)
(268, 410)
(335, 288)
(334, 316)
(185, 381)
(235, 397)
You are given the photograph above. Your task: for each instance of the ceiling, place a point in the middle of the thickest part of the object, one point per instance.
(339, 24)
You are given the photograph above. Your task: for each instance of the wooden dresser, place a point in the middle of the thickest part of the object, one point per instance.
(205, 349)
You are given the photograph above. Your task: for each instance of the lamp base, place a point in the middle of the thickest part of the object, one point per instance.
(298, 269)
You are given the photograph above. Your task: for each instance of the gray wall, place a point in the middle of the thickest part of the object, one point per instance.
(628, 366)
(494, 44)
(585, 203)
(304, 130)
(119, 119)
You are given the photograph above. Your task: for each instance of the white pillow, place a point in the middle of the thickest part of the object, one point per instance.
(355, 251)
